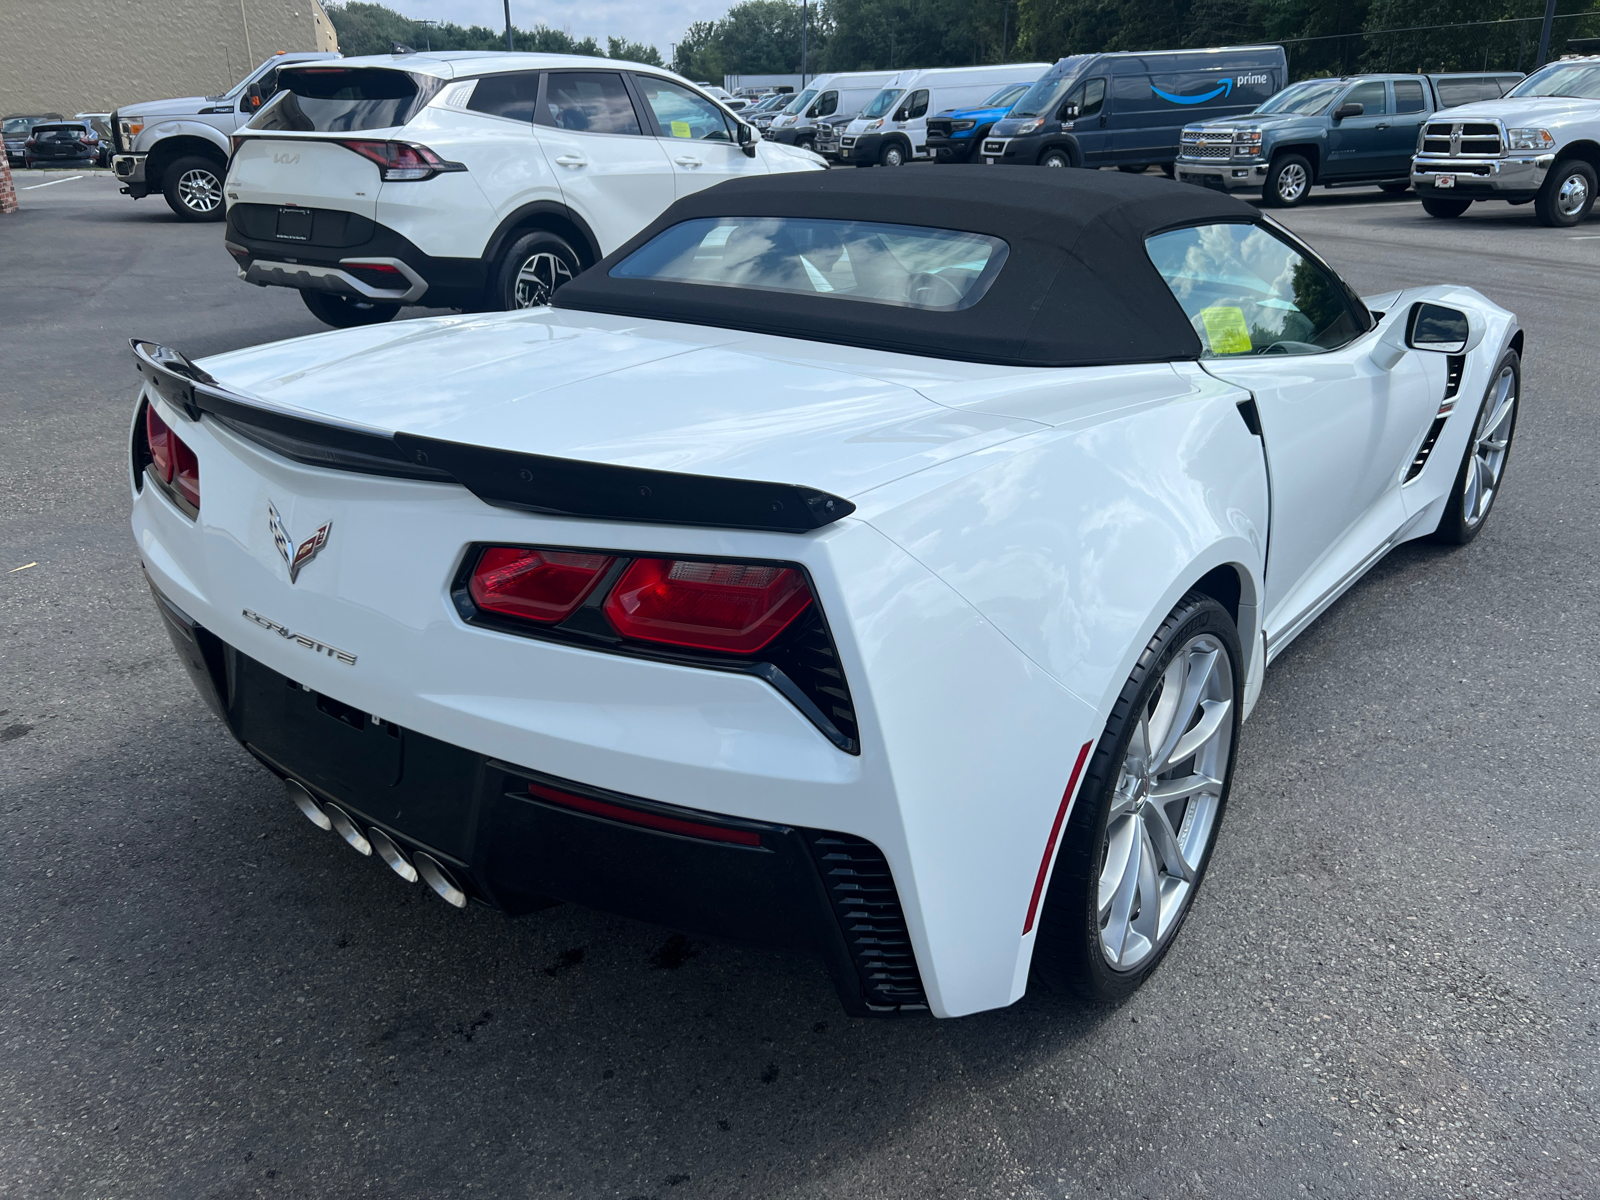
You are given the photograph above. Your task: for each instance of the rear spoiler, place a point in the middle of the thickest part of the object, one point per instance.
(504, 478)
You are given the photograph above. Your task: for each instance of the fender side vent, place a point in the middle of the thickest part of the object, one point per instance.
(861, 887)
(1456, 363)
(1421, 460)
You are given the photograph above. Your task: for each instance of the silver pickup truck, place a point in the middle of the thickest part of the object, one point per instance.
(1539, 144)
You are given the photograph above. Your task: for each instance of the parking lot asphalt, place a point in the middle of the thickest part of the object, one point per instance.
(1389, 986)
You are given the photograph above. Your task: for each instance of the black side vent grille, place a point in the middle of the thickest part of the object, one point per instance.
(808, 657)
(1455, 364)
(1421, 460)
(862, 890)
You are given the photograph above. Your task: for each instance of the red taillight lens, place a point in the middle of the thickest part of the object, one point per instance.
(160, 439)
(185, 471)
(736, 607)
(650, 820)
(382, 275)
(401, 161)
(538, 585)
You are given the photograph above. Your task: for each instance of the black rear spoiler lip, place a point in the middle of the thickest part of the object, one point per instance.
(503, 478)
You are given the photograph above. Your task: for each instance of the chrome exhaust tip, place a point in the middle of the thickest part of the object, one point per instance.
(347, 829)
(439, 880)
(307, 804)
(392, 855)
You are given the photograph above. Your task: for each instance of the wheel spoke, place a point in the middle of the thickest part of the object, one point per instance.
(1469, 494)
(1117, 909)
(1148, 922)
(1164, 839)
(1168, 790)
(1212, 714)
(1199, 668)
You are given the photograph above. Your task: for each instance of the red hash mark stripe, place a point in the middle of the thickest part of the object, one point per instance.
(1055, 832)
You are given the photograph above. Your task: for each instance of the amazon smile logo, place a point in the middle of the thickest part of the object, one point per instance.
(1225, 88)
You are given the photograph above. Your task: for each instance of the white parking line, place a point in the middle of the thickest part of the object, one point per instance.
(68, 179)
(1583, 237)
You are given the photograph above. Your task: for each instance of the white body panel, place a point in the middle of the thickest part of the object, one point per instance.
(948, 88)
(1019, 534)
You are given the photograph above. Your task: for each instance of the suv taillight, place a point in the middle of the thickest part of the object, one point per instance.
(172, 463)
(400, 162)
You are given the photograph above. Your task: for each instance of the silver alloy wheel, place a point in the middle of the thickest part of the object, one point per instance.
(1169, 788)
(1490, 443)
(200, 190)
(1292, 183)
(538, 278)
(1573, 195)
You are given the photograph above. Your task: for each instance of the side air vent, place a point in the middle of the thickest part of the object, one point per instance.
(1457, 363)
(1421, 459)
(862, 890)
(806, 654)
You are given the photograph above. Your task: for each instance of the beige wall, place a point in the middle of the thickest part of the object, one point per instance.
(72, 56)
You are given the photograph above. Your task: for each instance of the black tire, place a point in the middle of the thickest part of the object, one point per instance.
(1398, 187)
(531, 270)
(1567, 197)
(1169, 169)
(1288, 181)
(1056, 156)
(1458, 525)
(1444, 209)
(345, 312)
(1068, 953)
(1133, 168)
(193, 188)
(893, 154)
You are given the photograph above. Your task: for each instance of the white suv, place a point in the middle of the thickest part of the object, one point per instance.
(468, 180)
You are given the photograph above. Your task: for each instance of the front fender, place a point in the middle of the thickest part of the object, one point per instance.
(180, 127)
(1066, 141)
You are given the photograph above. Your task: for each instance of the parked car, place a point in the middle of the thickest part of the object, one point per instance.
(70, 143)
(100, 123)
(954, 134)
(512, 605)
(1332, 132)
(1126, 109)
(893, 129)
(827, 96)
(179, 148)
(16, 129)
(1540, 145)
(473, 182)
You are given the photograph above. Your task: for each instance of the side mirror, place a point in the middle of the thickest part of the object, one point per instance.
(1348, 110)
(1069, 112)
(747, 141)
(1434, 327)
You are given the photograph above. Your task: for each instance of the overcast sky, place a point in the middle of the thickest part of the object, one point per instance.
(654, 22)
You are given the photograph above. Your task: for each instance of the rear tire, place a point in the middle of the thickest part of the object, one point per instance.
(533, 268)
(193, 188)
(1444, 209)
(1567, 197)
(1121, 823)
(346, 312)
(1055, 157)
(1288, 181)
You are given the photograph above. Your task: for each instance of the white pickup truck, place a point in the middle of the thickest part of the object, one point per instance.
(180, 147)
(1540, 143)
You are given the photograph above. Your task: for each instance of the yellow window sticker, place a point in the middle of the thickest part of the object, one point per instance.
(681, 129)
(1226, 330)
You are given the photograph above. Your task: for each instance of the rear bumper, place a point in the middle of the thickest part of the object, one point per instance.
(1497, 179)
(308, 266)
(517, 839)
(1221, 176)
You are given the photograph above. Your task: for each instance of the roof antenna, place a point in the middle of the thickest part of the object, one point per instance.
(399, 48)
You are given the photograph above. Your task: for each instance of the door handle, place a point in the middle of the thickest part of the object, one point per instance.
(687, 161)
(1381, 125)
(572, 160)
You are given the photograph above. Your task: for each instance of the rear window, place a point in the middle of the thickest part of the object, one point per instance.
(904, 265)
(343, 99)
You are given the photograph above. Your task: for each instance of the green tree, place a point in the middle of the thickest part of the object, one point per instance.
(633, 52)
(757, 37)
(373, 29)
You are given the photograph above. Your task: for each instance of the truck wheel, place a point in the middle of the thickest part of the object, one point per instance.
(1436, 207)
(1398, 188)
(1055, 158)
(1567, 195)
(1169, 169)
(1133, 168)
(531, 271)
(892, 155)
(345, 312)
(1288, 181)
(193, 188)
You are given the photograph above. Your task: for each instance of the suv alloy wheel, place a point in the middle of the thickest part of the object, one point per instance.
(532, 269)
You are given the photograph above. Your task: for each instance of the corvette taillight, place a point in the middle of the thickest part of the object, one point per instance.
(538, 585)
(399, 162)
(171, 460)
(734, 607)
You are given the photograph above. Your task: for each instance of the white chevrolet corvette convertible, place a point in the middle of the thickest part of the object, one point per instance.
(874, 563)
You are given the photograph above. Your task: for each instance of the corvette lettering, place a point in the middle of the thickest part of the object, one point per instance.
(300, 639)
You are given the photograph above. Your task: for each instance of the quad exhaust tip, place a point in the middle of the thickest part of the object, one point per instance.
(440, 880)
(392, 854)
(347, 829)
(307, 804)
(420, 865)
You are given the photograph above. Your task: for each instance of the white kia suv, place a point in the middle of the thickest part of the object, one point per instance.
(468, 180)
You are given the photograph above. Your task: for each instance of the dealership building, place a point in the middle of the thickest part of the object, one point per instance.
(72, 56)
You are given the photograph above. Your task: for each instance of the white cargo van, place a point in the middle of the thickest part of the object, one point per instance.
(893, 128)
(827, 96)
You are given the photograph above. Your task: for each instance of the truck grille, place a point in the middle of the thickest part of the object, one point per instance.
(1454, 138)
(940, 128)
(995, 146)
(1204, 146)
(858, 882)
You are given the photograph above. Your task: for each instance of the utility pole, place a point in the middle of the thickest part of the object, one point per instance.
(1005, 28)
(1544, 33)
(804, 14)
(510, 45)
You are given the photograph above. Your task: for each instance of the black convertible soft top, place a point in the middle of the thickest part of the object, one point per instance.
(1077, 288)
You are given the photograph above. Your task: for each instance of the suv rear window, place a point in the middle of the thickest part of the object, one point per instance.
(342, 99)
